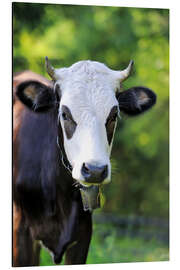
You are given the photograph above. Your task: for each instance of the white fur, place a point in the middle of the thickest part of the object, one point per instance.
(88, 90)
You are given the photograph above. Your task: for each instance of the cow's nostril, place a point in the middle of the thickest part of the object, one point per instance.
(94, 174)
(85, 170)
(104, 172)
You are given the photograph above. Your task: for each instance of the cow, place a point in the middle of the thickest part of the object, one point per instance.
(63, 132)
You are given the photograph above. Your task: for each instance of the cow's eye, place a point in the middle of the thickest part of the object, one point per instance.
(68, 121)
(110, 123)
(113, 117)
(66, 117)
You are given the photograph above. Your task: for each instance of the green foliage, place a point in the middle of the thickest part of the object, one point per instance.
(107, 247)
(113, 35)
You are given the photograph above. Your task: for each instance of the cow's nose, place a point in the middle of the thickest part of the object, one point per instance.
(94, 174)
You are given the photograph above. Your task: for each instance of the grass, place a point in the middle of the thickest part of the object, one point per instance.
(113, 249)
(107, 247)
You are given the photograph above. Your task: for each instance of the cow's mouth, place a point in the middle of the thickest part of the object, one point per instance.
(90, 197)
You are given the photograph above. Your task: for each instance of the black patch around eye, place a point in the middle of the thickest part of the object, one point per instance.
(69, 123)
(110, 123)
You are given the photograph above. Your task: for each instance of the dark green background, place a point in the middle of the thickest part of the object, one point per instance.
(112, 35)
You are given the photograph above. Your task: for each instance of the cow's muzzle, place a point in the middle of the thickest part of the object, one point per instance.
(94, 174)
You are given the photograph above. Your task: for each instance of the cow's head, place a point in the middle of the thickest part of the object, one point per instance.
(89, 102)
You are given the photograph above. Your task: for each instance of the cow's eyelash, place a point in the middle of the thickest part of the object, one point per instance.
(113, 117)
(65, 116)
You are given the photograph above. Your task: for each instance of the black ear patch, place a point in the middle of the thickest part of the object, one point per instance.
(136, 100)
(36, 96)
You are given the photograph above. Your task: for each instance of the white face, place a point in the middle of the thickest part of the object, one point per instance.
(88, 91)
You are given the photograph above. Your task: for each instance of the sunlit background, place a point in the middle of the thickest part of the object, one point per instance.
(133, 222)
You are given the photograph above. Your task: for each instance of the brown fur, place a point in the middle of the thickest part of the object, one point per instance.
(16, 224)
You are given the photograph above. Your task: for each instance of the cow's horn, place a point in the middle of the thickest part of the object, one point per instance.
(50, 70)
(124, 74)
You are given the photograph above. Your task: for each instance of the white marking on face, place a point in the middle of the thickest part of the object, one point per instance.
(88, 90)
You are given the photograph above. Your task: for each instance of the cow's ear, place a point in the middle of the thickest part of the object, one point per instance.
(36, 96)
(136, 100)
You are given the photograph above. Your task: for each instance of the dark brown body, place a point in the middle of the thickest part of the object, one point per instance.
(47, 208)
